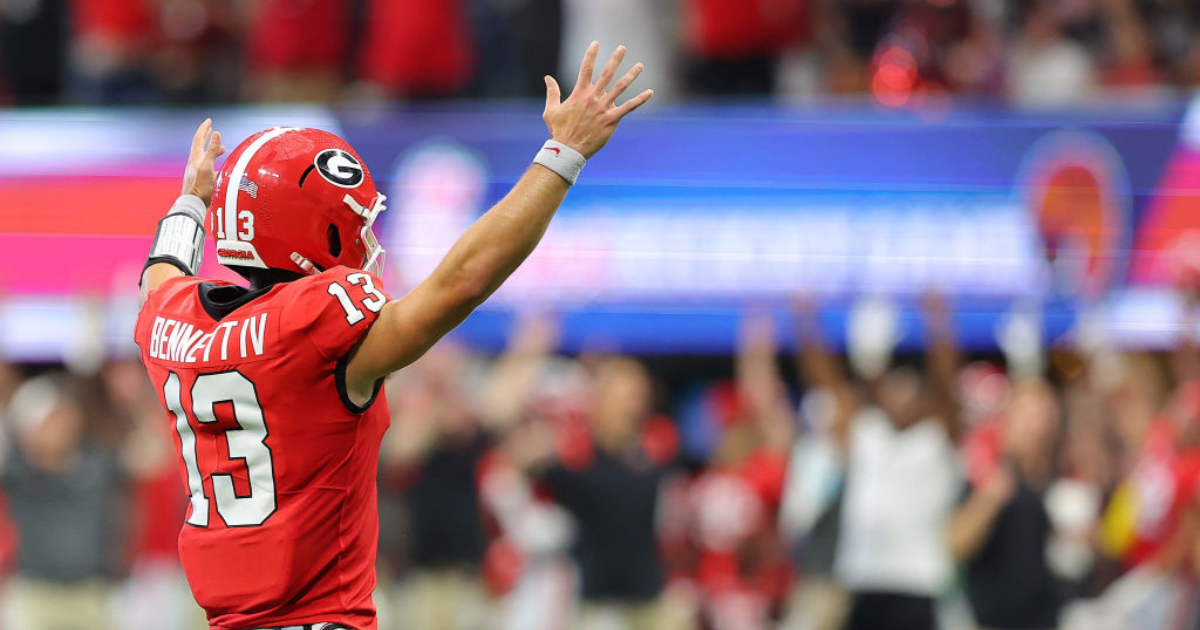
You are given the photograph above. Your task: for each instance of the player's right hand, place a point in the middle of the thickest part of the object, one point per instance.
(589, 116)
(200, 173)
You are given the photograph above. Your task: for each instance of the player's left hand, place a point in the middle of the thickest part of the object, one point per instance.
(200, 173)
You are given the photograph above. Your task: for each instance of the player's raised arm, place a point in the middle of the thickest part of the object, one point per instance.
(503, 237)
(179, 242)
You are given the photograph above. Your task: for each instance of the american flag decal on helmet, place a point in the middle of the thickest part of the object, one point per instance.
(248, 186)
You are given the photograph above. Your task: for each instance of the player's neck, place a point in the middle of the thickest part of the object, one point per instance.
(267, 278)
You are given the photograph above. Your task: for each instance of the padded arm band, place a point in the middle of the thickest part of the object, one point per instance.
(180, 237)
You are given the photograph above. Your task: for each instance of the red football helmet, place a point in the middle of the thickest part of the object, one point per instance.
(295, 199)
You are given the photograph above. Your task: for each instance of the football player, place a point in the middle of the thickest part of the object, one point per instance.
(273, 390)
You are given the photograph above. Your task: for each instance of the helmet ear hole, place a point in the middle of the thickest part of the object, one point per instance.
(335, 240)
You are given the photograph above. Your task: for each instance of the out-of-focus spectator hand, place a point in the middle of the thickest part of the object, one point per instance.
(757, 374)
(589, 116)
(806, 306)
(531, 446)
(508, 390)
(758, 333)
(537, 334)
(872, 332)
(936, 309)
(1000, 486)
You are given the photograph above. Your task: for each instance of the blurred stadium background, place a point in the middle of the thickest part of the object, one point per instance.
(973, 224)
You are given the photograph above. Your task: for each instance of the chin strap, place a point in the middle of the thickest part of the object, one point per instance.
(304, 264)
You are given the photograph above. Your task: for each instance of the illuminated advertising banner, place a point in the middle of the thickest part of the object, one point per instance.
(689, 216)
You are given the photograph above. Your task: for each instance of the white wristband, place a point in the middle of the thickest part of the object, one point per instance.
(561, 159)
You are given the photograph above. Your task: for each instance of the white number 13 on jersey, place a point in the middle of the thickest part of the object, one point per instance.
(247, 442)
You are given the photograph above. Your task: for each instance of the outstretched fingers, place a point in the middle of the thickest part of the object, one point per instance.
(624, 82)
(215, 149)
(634, 103)
(610, 68)
(200, 139)
(588, 117)
(588, 67)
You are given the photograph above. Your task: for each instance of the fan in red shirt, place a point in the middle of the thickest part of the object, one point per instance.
(417, 48)
(1166, 475)
(735, 45)
(272, 390)
(1165, 480)
(741, 565)
(296, 48)
(732, 507)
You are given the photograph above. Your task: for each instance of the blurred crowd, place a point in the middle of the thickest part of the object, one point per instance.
(1033, 53)
(840, 485)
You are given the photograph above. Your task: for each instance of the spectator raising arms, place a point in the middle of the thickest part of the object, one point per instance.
(1001, 529)
(898, 433)
(606, 469)
(741, 567)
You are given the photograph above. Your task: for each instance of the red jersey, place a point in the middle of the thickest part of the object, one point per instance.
(417, 47)
(733, 512)
(1165, 481)
(298, 35)
(279, 464)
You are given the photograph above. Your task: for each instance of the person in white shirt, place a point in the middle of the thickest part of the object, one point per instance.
(897, 430)
(1047, 69)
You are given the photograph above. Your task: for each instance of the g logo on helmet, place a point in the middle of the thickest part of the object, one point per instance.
(339, 168)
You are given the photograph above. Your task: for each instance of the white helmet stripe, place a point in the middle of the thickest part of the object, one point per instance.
(233, 186)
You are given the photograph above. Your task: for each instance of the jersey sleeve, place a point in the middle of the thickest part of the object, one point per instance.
(169, 296)
(338, 307)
